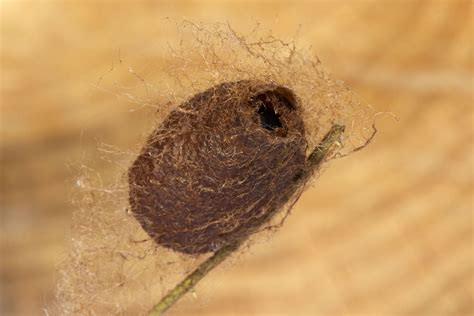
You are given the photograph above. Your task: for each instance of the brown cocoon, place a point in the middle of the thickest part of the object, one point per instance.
(219, 166)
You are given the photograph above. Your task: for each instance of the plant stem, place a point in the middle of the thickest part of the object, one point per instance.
(190, 281)
(319, 154)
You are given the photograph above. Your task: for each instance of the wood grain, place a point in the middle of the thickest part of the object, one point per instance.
(387, 231)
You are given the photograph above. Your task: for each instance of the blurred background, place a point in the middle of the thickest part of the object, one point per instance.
(386, 231)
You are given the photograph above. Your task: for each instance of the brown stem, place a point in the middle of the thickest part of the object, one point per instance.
(319, 154)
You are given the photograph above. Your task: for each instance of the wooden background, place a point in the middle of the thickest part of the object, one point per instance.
(387, 231)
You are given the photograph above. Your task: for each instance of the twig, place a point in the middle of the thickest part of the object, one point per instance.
(319, 154)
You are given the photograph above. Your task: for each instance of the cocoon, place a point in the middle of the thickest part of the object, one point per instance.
(218, 166)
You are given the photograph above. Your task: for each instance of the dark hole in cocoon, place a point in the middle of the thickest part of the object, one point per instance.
(269, 119)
